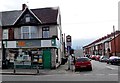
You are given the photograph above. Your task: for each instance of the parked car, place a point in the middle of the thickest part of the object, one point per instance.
(87, 55)
(114, 60)
(104, 58)
(92, 57)
(83, 63)
(97, 57)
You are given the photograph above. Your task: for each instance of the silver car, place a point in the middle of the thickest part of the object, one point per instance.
(104, 58)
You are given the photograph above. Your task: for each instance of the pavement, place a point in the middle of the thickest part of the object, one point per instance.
(62, 69)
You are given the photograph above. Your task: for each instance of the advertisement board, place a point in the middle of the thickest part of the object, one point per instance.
(46, 43)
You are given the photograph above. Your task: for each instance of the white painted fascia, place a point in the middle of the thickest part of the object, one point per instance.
(30, 12)
(58, 15)
(20, 15)
(35, 16)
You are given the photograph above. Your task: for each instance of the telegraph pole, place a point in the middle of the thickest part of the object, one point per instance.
(114, 39)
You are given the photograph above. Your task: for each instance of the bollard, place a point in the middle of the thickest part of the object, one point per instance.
(14, 69)
(37, 69)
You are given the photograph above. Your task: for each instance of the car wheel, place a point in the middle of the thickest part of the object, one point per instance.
(112, 63)
(76, 69)
(107, 62)
(90, 69)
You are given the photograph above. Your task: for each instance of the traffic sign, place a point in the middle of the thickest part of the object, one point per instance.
(68, 38)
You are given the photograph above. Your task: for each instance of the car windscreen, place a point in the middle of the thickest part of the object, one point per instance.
(82, 59)
(105, 57)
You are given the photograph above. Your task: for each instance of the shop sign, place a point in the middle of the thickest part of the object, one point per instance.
(46, 43)
(11, 44)
(21, 43)
(29, 43)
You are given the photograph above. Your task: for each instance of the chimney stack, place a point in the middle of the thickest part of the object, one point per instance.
(23, 6)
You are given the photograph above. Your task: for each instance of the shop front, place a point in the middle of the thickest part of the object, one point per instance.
(30, 54)
(24, 54)
(24, 58)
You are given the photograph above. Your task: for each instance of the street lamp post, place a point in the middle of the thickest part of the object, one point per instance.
(114, 39)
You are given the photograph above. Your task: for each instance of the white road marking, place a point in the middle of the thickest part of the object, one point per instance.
(100, 74)
(113, 74)
(110, 68)
(87, 74)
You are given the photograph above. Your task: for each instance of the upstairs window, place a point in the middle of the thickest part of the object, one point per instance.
(28, 32)
(5, 34)
(34, 32)
(27, 18)
(45, 32)
(25, 32)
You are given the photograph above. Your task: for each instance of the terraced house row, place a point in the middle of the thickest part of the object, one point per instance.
(106, 45)
(31, 37)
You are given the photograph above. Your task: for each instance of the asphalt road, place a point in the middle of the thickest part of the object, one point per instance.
(101, 72)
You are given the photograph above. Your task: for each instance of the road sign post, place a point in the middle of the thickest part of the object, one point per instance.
(68, 42)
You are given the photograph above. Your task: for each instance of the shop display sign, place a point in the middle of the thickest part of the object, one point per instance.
(21, 43)
(29, 43)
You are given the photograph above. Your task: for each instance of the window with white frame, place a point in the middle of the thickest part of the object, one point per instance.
(28, 32)
(5, 34)
(34, 32)
(27, 18)
(45, 32)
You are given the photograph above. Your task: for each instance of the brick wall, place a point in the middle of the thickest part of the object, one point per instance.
(117, 40)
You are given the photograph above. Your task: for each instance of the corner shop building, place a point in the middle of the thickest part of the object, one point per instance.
(32, 37)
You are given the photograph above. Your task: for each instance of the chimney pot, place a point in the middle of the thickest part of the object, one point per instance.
(23, 6)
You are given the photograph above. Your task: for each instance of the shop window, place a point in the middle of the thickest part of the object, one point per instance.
(45, 31)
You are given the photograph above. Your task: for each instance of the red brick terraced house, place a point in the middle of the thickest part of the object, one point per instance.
(104, 45)
(32, 37)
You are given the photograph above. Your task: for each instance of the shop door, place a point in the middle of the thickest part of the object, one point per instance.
(47, 58)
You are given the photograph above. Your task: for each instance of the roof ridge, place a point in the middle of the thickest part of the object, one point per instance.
(11, 11)
(45, 8)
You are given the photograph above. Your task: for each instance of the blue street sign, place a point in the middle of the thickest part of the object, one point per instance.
(68, 48)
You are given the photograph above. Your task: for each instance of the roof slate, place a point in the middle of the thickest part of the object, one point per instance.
(46, 15)
(9, 17)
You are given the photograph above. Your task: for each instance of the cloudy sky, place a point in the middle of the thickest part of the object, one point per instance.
(82, 19)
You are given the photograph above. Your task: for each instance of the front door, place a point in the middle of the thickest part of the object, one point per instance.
(47, 58)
